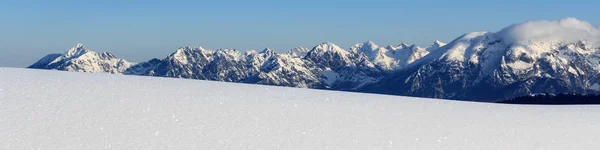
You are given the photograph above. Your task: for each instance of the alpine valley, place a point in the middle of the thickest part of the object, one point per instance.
(560, 56)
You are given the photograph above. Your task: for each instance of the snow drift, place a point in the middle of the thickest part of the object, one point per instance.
(67, 110)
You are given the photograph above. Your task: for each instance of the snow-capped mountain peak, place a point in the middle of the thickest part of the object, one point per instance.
(403, 45)
(185, 55)
(329, 47)
(436, 44)
(83, 59)
(267, 51)
(298, 52)
(397, 47)
(251, 52)
(370, 44)
(181, 51)
(78, 50)
(365, 47)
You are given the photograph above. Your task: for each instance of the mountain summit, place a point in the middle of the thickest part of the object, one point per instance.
(82, 59)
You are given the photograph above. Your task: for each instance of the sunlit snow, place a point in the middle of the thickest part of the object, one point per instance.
(67, 110)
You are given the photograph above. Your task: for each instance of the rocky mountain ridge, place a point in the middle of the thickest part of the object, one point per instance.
(561, 56)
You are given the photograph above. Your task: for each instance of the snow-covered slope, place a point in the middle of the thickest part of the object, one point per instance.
(67, 110)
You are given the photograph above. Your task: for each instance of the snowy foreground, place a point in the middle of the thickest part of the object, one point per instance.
(53, 109)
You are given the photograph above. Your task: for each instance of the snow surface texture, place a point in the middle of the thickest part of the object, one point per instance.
(67, 110)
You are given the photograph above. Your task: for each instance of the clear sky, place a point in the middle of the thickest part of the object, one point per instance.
(140, 30)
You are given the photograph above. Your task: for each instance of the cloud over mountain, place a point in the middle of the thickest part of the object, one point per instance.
(564, 30)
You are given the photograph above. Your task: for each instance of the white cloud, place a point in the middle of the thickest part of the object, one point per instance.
(565, 30)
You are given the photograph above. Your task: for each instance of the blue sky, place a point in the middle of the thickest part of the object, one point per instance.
(140, 30)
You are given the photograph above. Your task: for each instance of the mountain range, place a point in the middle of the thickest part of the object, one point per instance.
(561, 56)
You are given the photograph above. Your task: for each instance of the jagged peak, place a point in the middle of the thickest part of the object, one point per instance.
(182, 54)
(369, 43)
(403, 45)
(78, 50)
(298, 48)
(182, 51)
(438, 43)
(298, 51)
(201, 49)
(413, 46)
(391, 47)
(326, 43)
(365, 46)
(329, 47)
(79, 45)
(234, 53)
(267, 51)
(398, 47)
(187, 50)
(251, 52)
(226, 50)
